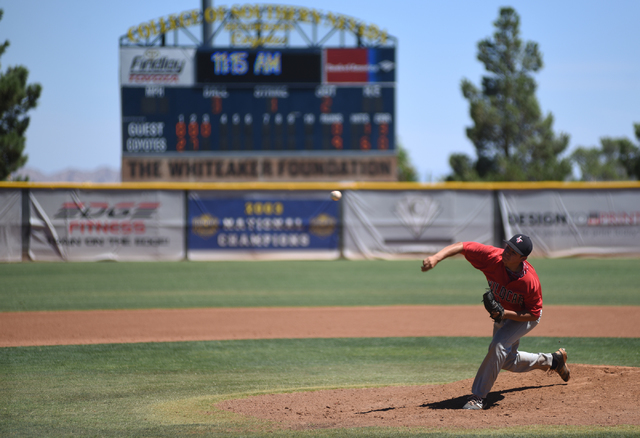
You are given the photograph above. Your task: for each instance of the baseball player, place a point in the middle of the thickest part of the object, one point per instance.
(514, 301)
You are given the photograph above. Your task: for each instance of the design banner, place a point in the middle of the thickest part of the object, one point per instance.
(86, 225)
(574, 222)
(393, 224)
(10, 226)
(262, 226)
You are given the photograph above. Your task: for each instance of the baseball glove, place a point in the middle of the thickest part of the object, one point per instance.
(495, 309)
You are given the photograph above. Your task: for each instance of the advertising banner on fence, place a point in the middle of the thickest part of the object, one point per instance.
(86, 225)
(392, 224)
(574, 222)
(236, 226)
(10, 226)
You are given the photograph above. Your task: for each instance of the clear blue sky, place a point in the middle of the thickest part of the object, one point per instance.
(590, 81)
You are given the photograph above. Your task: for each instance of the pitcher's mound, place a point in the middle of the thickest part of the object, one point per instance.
(595, 395)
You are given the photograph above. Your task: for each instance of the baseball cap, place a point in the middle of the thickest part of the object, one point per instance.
(521, 244)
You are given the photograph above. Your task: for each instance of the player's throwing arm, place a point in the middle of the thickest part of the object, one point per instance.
(448, 251)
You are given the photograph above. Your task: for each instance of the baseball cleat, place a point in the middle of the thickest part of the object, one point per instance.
(562, 369)
(474, 403)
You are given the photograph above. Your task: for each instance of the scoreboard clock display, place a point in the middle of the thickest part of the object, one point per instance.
(259, 66)
(262, 101)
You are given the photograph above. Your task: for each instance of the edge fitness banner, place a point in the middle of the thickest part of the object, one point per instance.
(574, 222)
(240, 226)
(84, 225)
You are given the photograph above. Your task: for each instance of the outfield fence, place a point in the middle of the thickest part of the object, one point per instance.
(249, 221)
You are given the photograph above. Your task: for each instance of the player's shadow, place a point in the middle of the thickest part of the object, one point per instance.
(492, 399)
(375, 410)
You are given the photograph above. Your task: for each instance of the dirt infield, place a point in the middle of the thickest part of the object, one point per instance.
(174, 325)
(594, 396)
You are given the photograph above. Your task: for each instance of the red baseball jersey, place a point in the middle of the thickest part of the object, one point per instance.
(522, 294)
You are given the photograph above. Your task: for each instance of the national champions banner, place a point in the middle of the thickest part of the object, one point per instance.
(395, 224)
(86, 225)
(574, 222)
(240, 226)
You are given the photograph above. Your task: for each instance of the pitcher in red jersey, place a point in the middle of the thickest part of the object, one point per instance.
(516, 286)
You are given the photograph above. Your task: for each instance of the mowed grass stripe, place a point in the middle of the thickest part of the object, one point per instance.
(84, 286)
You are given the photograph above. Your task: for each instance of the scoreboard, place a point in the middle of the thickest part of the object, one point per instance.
(260, 118)
(273, 102)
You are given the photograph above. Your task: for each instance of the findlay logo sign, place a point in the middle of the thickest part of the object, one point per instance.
(159, 66)
(152, 61)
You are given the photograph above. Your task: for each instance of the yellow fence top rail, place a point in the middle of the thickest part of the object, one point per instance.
(343, 185)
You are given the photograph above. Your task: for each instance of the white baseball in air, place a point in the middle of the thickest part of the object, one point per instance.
(336, 195)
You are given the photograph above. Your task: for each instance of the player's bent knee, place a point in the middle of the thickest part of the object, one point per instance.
(498, 349)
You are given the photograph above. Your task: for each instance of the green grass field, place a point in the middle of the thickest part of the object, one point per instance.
(108, 285)
(167, 389)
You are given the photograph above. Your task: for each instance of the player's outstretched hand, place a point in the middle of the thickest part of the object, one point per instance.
(428, 263)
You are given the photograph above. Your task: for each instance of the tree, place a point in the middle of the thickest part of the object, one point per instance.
(513, 141)
(616, 159)
(406, 171)
(16, 99)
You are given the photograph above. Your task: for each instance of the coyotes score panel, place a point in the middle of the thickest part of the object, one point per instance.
(159, 120)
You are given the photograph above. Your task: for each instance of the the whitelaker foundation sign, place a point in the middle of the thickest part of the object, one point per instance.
(260, 169)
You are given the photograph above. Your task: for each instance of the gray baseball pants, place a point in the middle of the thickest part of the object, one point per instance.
(504, 355)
